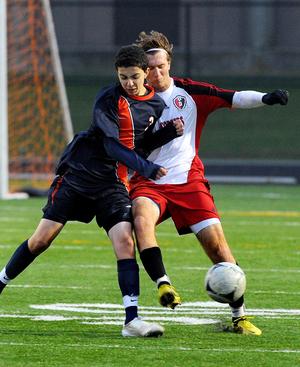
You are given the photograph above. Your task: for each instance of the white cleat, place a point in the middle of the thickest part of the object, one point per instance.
(137, 327)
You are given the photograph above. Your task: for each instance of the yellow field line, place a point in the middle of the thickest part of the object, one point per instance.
(256, 213)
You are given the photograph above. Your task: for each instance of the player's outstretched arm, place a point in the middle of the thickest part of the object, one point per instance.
(253, 99)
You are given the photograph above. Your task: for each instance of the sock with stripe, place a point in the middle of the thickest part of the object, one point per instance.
(129, 283)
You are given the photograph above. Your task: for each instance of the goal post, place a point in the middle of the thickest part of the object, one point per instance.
(35, 117)
(3, 103)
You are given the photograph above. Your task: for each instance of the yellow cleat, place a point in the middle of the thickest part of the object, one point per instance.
(168, 297)
(242, 325)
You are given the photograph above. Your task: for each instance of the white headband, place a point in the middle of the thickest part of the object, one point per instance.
(156, 49)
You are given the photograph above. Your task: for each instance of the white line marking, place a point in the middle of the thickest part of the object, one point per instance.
(158, 347)
(186, 309)
(14, 219)
(266, 270)
(46, 286)
(90, 266)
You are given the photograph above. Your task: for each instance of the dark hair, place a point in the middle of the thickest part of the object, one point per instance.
(131, 55)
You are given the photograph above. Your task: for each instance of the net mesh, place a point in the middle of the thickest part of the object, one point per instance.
(35, 117)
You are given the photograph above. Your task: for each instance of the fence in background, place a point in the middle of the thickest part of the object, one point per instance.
(254, 37)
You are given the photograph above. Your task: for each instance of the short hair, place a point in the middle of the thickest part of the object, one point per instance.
(131, 55)
(155, 40)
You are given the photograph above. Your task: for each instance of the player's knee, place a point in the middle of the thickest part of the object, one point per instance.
(37, 245)
(124, 247)
(140, 224)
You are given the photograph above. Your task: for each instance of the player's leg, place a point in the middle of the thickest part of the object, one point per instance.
(128, 270)
(214, 243)
(61, 203)
(24, 255)
(114, 214)
(146, 214)
(128, 277)
(192, 209)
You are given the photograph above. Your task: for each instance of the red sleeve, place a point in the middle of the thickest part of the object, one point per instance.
(208, 97)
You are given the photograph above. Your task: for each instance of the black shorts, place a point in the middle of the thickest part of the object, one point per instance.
(65, 204)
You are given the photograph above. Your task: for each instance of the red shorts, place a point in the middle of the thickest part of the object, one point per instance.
(187, 203)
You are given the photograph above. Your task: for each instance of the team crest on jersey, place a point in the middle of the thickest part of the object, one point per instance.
(179, 102)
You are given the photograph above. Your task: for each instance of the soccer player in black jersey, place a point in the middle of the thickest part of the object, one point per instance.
(91, 179)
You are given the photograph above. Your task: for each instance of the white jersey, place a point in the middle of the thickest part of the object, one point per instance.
(192, 101)
(178, 154)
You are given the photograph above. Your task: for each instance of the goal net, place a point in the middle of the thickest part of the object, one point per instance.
(35, 123)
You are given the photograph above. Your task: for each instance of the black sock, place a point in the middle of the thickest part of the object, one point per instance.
(238, 303)
(131, 313)
(19, 261)
(129, 283)
(153, 262)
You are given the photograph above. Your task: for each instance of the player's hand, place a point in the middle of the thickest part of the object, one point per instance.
(179, 126)
(279, 96)
(160, 173)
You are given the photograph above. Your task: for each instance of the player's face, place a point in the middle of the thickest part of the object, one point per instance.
(159, 74)
(132, 79)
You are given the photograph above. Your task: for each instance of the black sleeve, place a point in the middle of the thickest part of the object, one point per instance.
(105, 113)
(130, 158)
(153, 140)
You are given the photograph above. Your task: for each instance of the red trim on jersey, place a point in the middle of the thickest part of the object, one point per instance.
(126, 134)
(147, 96)
(207, 98)
(57, 186)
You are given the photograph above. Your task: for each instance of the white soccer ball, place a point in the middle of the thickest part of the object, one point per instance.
(225, 282)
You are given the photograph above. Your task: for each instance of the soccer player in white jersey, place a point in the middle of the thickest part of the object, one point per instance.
(184, 193)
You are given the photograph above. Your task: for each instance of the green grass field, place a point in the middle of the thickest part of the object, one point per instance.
(65, 309)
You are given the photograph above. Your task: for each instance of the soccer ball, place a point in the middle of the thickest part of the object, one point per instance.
(225, 282)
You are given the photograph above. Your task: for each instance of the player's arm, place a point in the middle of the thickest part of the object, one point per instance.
(252, 99)
(106, 124)
(155, 139)
(131, 159)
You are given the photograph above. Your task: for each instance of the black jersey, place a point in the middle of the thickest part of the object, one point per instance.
(120, 124)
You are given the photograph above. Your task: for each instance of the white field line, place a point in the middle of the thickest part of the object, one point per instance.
(81, 247)
(156, 347)
(267, 195)
(14, 219)
(276, 292)
(197, 268)
(46, 286)
(7, 208)
(196, 308)
(190, 313)
(248, 270)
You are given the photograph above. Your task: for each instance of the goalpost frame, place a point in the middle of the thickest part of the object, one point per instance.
(58, 71)
(4, 136)
(3, 103)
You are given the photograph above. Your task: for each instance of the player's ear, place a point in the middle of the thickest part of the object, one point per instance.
(146, 72)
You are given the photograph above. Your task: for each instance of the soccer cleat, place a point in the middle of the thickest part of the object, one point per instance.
(138, 327)
(168, 297)
(242, 325)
